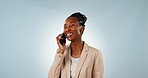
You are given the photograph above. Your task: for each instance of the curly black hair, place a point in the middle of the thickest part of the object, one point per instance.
(81, 17)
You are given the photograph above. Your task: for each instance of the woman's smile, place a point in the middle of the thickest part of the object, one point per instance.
(69, 34)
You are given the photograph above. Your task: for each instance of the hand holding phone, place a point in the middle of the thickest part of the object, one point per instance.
(63, 39)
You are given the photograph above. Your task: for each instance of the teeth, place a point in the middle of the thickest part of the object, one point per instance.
(69, 34)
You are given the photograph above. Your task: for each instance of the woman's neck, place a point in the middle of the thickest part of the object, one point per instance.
(76, 48)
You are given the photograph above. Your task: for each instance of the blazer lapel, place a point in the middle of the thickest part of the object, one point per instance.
(82, 60)
(67, 60)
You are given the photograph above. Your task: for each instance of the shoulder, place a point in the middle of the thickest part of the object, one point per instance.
(94, 51)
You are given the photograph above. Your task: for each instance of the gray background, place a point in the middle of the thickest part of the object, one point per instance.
(117, 27)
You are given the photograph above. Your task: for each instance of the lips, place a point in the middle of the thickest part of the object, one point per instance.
(69, 34)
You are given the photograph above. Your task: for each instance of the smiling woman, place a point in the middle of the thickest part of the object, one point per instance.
(78, 59)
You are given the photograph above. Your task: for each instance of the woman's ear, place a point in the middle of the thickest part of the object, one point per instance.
(82, 29)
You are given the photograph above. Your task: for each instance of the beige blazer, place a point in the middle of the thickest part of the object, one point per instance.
(89, 66)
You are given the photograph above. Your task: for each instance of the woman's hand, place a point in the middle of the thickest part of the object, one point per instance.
(61, 47)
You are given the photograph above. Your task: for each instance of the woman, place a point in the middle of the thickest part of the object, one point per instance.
(78, 59)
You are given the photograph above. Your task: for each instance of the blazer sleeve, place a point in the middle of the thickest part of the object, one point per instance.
(55, 69)
(98, 69)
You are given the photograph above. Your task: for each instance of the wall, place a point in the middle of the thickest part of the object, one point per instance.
(117, 27)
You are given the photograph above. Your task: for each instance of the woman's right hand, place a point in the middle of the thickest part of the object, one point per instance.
(61, 47)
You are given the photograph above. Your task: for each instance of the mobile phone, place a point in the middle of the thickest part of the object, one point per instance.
(63, 40)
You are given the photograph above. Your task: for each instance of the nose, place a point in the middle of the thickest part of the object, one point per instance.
(67, 29)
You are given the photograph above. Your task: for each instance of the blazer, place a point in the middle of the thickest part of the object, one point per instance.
(90, 64)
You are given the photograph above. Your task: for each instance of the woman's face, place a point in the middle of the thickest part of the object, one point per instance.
(72, 29)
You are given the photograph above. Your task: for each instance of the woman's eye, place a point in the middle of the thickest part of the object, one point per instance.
(65, 27)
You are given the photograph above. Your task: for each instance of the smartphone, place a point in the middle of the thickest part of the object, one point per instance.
(63, 40)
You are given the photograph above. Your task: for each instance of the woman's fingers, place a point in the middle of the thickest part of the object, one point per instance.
(61, 47)
(58, 38)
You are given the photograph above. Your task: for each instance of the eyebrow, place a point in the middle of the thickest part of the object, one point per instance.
(71, 22)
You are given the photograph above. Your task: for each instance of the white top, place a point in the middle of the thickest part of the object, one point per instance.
(74, 63)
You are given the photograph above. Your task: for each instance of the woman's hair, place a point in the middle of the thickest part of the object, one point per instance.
(81, 17)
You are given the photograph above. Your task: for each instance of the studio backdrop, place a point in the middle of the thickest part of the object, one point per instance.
(28, 30)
